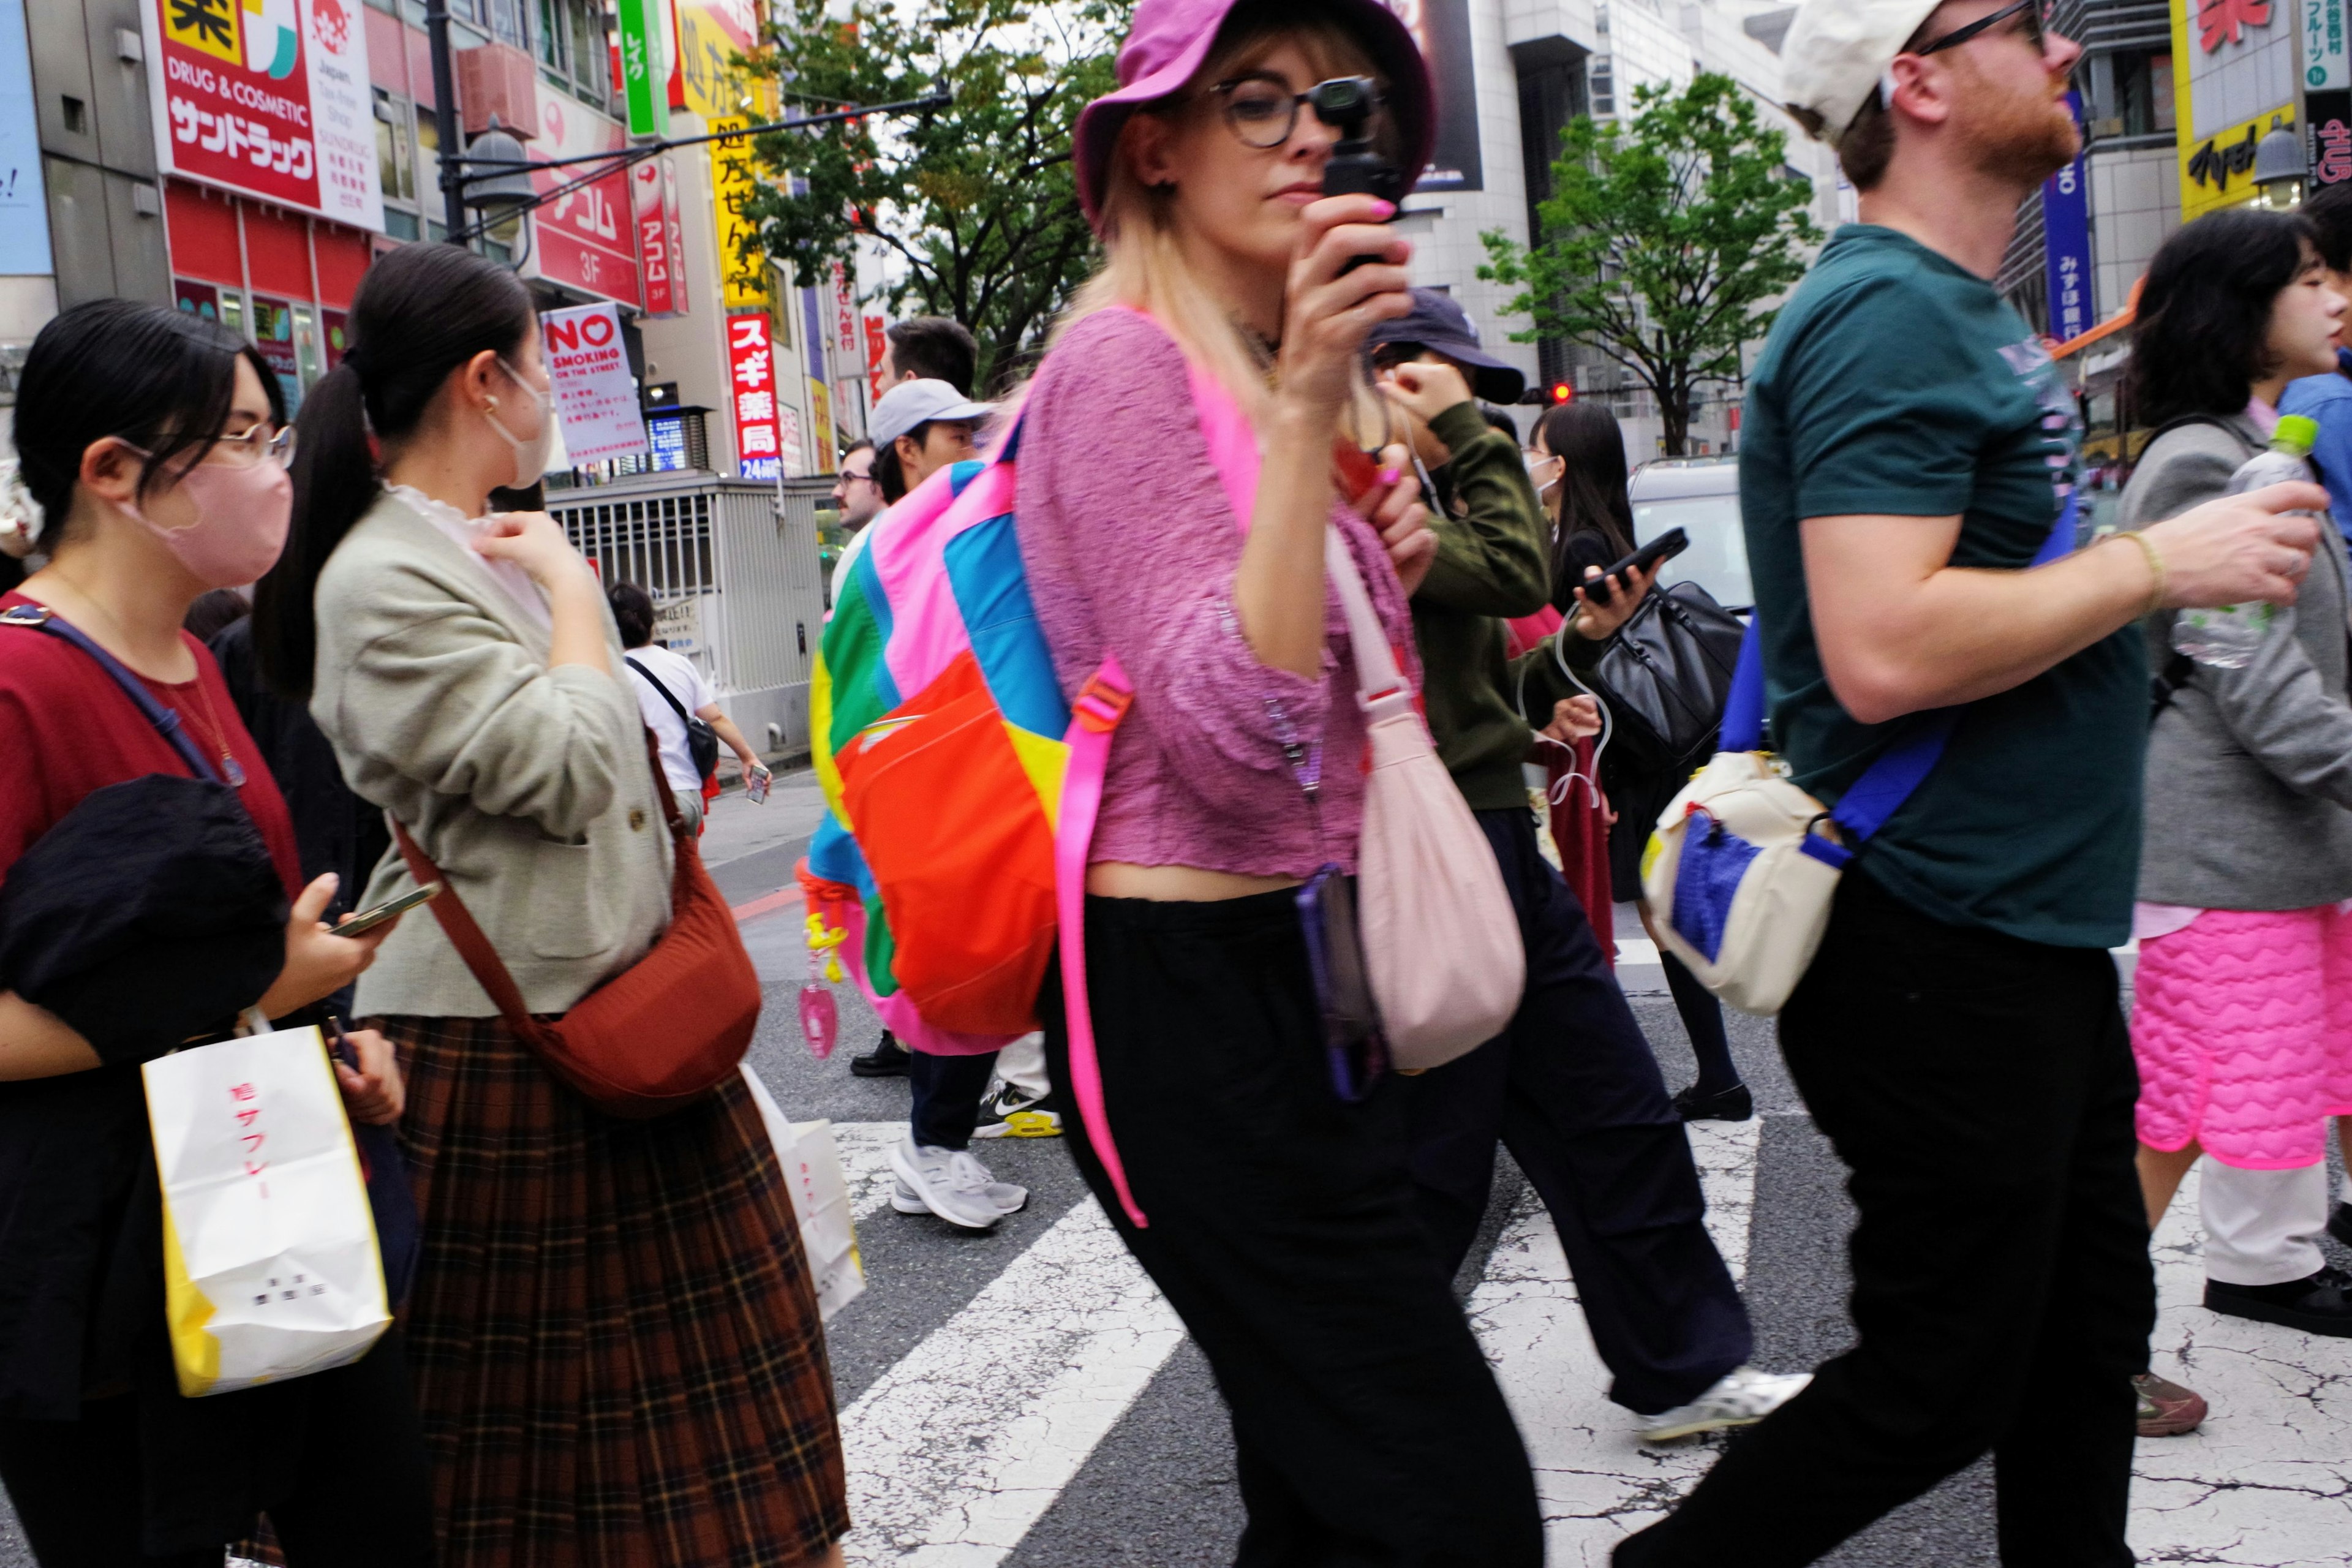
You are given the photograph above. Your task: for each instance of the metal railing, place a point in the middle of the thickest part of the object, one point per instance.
(732, 568)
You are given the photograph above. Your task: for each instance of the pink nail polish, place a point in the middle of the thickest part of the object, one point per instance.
(1390, 476)
(1387, 210)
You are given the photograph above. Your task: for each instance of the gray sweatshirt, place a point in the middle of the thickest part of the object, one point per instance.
(2249, 771)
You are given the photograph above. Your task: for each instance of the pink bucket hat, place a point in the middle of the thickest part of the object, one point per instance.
(1172, 37)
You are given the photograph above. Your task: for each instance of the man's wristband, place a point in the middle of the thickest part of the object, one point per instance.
(2154, 569)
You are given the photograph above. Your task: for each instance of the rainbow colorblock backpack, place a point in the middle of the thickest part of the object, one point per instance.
(962, 787)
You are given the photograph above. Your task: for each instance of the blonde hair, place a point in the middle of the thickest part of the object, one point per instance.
(1144, 266)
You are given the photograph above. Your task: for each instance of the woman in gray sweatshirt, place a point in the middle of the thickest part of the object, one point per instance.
(617, 1354)
(2242, 1017)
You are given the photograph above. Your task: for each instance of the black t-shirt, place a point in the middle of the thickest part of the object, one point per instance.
(1897, 383)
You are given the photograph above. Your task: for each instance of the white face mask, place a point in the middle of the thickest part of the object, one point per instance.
(533, 454)
(1538, 462)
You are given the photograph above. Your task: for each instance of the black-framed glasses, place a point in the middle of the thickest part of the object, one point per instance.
(2030, 10)
(1263, 111)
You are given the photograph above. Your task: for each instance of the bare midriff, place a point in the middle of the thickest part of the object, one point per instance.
(1177, 884)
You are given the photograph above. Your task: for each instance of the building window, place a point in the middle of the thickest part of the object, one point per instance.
(554, 50)
(507, 24)
(1602, 87)
(395, 147)
(2144, 91)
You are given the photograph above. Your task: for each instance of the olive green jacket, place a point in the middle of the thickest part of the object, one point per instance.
(1493, 564)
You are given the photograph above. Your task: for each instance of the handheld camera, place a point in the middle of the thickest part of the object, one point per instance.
(1346, 104)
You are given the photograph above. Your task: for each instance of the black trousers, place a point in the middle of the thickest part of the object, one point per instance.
(358, 1495)
(1573, 1091)
(1980, 1090)
(1367, 1425)
(947, 1092)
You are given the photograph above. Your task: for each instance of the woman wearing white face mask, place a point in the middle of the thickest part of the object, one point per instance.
(468, 673)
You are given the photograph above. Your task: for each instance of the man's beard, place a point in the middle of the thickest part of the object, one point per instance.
(2013, 138)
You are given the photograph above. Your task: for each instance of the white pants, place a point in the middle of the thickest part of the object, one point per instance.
(2261, 1227)
(1022, 1064)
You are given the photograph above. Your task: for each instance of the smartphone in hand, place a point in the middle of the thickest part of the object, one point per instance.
(1646, 560)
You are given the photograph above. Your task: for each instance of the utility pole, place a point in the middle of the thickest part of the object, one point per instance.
(451, 162)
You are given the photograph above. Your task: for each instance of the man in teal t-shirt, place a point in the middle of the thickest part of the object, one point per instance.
(1899, 385)
(1907, 451)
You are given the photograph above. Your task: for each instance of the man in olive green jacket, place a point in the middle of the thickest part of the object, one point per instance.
(1570, 1086)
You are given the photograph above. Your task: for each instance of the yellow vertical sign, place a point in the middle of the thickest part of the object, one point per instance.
(821, 416)
(732, 186)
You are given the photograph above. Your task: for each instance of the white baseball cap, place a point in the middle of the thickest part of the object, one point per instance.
(1835, 53)
(913, 403)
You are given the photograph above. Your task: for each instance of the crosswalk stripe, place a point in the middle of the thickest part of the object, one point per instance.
(961, 1446)
(1595, 1482)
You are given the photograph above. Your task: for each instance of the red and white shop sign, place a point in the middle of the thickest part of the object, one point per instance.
(676, 226)
(877, 343)
(266, 97)
(654, 258)
(584, 237)
(751, 387)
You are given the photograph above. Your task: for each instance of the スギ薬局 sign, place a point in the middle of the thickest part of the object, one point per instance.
(268, 98)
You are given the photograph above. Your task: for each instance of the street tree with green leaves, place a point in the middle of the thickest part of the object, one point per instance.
(1666, 241)
(978, 201)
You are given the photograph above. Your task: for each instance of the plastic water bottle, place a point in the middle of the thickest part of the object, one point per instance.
(2228, 635)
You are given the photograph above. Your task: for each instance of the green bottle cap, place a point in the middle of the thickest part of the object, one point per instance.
(2295, 434)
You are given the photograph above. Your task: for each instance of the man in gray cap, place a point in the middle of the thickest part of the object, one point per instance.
(920, 427)
(1908, 456)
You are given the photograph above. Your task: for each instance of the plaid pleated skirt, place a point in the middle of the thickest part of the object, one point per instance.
(618, 1355)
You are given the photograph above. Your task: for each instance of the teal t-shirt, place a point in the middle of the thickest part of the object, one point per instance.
(1896, 382)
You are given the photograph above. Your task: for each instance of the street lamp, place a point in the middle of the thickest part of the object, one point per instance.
(498, 200)
(2279, 168)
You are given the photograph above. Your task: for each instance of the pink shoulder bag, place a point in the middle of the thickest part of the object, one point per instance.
(1441, 941)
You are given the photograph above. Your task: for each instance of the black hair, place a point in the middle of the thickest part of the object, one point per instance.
(633, 613)
(159, 378)
(1501, 421)
(421, 311)
(1592, 489)
(889, 472)
(861, 444)
(937, 348)
(2330, 212)
(215, 612)
(2201, 335)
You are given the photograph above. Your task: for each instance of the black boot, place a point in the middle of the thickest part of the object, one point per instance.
(888, 1059)
(1734, 1104)
(2339, 1224)
(2321, 1304)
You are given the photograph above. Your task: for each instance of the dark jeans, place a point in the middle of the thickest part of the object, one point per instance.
(1980, 1090)
(359, 1496)
(1367, 1425)
(946, 1095)
(1572, 1090)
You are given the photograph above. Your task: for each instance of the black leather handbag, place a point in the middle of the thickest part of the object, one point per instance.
(1666, 674)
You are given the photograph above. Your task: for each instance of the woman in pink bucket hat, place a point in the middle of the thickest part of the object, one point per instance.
(1176, 486)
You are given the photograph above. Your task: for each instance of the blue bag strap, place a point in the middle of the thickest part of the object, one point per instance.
(1903, 767)
(1743, 705)
(38, 617)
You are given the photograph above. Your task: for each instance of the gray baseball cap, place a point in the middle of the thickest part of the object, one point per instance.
(913, 403)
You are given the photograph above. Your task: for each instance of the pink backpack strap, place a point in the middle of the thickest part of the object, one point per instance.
(1093, 717)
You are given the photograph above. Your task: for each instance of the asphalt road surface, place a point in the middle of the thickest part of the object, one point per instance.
(1024, 1397)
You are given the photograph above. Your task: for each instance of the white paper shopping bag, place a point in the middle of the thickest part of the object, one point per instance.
(270, 1266)
(820, 1201)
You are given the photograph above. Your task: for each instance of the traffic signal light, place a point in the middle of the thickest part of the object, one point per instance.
(1561, 391)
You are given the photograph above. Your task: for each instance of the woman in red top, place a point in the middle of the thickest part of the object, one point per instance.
(152, 470)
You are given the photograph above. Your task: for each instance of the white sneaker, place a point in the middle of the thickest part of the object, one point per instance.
(951, 1184)
(1741, 1397)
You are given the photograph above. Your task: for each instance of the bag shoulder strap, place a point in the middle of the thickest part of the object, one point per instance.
(1095, 716)
(656, 681)
(482, 960)
(1377, 675)
(40, 618)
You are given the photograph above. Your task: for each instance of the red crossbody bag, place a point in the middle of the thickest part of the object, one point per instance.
(663, 1032)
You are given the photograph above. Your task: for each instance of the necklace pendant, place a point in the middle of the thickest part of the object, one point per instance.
(233, 770)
